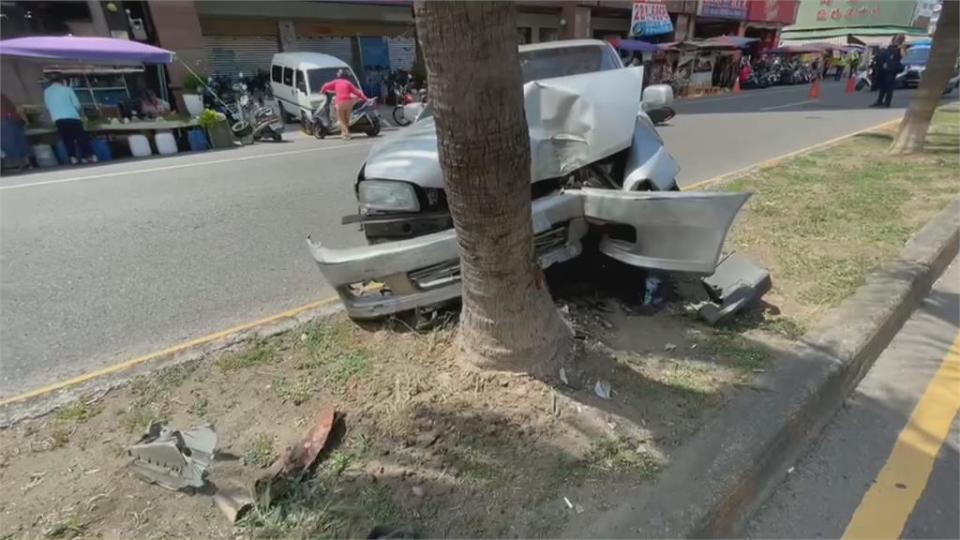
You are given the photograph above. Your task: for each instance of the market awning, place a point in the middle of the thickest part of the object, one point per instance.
(840, 35)
(794, 50)
(734, 42)
(635, 45)
(85, 49)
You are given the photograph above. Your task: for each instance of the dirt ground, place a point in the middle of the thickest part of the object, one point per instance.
(427, 443)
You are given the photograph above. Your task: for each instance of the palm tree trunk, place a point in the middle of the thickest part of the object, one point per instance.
(508, 320)
(912, 134)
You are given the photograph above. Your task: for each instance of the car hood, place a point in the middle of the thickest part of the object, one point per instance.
(573, 121)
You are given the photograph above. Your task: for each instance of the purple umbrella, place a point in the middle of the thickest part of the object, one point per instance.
(85, 49)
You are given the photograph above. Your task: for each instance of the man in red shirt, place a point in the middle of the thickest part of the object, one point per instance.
(345, 91)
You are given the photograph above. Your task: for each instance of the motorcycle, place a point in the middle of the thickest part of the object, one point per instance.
(250, 119)
(256, 121)
(363, 118)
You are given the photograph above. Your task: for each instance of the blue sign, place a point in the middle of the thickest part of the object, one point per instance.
(650, 19)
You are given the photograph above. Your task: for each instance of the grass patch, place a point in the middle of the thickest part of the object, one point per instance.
(259, 353)
(618, 454)
(75, 413)
(736, 350)
(260, 452)
(319, 508)
(690, 380)
(822, 221)
(294, 390)
(335, 354)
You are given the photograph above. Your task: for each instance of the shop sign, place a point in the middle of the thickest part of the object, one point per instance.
(724, 9)
(650, 19)
(821, 14)
(775, 11)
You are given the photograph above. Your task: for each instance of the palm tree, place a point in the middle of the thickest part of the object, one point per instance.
(943, 59)
(508, 320)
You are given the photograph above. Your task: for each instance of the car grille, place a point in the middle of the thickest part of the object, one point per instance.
(448, 272)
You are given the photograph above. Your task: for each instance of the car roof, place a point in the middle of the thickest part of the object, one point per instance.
(563, 44)
(309, 60)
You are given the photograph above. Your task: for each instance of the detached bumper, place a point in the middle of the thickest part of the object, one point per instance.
(673, 231)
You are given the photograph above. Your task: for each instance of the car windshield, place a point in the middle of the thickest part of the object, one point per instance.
(917, 56)
(321, 76)
(564, 61)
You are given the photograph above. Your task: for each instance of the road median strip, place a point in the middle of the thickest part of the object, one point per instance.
(436, 444)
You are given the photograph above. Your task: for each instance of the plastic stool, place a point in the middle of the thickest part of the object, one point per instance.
(43, 153)
(101, 148)
(165, 142)
(197, 140)
(139, 146)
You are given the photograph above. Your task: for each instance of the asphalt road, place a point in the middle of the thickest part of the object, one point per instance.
(102, 263)
(886, 443)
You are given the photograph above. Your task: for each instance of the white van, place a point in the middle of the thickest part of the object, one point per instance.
(296, 79)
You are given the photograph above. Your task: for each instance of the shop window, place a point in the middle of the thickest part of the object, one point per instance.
(523, 35)
(301, 81)
(288, 76)
(549, 34)
(276, 73)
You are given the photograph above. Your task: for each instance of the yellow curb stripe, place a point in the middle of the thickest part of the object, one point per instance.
(166, 352)
(777, 160)
(885, 508)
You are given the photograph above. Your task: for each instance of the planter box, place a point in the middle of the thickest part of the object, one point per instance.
(220, 136)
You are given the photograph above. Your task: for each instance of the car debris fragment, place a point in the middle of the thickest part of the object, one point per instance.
(736, 284)
(296, 460)
(233, 501)
(174, 459)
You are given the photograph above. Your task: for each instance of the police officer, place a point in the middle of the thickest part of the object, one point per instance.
(888, 66)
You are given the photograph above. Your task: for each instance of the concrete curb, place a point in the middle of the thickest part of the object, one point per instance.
(720, 477)
(43, 404)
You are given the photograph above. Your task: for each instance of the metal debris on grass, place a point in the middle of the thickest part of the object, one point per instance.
(174, 459)
(602, 389)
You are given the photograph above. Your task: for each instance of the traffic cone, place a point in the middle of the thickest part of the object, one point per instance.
(815, 89)
(736, 85)
(851, 85)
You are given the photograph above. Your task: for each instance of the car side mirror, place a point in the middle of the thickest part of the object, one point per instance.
(657, 96)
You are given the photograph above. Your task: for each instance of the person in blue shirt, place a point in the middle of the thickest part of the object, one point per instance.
(64, 108)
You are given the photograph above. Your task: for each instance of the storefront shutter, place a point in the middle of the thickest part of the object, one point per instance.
(247, 54)
(403, 52)
(341, 47)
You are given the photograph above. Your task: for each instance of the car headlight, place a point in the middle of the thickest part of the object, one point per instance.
(388, 195)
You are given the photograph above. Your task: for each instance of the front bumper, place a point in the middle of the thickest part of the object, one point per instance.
(673, 231)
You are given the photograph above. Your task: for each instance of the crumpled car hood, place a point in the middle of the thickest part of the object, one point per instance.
(573, 121)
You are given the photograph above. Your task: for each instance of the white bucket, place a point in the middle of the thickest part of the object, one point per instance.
(194, 103)
(139, 145)
(44, 155)
(165, 142)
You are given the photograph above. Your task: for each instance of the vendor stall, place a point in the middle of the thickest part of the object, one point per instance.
(97, 69)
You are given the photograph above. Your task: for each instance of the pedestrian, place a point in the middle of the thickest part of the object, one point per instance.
(854, 63)
(888, 66)
(64, 109)
(13, 135)
(152, 106)
(344, 91)
(838, 66)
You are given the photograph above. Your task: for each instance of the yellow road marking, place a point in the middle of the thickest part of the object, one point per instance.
(885, 508)
(777, 160)
(166, 352)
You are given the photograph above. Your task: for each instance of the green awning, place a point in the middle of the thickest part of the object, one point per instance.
(808, 35)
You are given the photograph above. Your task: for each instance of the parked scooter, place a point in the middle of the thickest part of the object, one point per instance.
(257, 121)
(364, 118)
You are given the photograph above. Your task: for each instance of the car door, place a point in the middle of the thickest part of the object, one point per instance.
(664, 230)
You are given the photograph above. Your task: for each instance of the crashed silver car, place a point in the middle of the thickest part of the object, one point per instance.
(596, 162)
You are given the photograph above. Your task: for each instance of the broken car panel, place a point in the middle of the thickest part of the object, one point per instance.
(669, 230)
